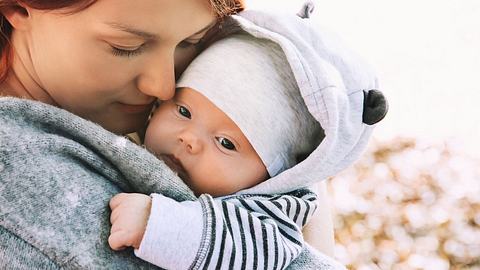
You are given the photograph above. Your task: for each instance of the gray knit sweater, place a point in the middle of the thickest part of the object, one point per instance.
(57, 174)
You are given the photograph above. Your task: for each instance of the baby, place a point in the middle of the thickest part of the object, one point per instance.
(237, 119)
(247, 111)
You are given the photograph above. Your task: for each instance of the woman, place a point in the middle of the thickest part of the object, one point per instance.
(106, 60)
(119, 55)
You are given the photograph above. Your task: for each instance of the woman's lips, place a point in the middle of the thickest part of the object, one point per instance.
(174, 164)
(134, 108)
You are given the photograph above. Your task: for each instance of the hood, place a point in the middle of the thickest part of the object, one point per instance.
(339, 89)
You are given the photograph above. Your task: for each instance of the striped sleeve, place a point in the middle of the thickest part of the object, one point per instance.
(234, 232)
(255, 232)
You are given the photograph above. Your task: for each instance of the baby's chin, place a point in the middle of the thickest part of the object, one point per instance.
(175, 166)
(214, 192)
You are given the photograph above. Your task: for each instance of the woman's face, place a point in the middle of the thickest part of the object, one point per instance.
(110, 61)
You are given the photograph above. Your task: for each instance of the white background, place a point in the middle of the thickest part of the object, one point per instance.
(427, 55)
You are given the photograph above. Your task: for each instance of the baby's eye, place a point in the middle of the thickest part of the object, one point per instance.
(226, 143)
(184, 111)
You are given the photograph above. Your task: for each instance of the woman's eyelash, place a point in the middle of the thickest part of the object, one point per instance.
(126, 53)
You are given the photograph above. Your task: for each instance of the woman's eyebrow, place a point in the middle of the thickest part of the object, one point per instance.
(147, 35)
(133, 31)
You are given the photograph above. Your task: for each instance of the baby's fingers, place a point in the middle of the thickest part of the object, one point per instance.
(120, 240)
(115, 215)
(117, 200)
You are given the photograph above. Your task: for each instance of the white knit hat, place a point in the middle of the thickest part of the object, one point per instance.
(250, 80)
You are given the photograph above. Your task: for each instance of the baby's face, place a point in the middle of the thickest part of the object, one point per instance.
(201, 143)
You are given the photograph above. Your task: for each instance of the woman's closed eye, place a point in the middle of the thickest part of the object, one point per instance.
(127, 52)
(183, 111)
(226, 143)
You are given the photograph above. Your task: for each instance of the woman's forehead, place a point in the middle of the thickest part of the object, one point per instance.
(151, 18)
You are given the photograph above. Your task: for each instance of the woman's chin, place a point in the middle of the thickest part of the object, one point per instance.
(124, 123)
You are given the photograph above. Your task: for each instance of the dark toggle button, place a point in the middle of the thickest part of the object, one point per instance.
(375, 106)
(307, 10)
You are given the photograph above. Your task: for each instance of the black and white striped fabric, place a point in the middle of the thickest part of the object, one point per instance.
(253, 231)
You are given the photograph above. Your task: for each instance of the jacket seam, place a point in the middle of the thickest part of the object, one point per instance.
(40, 251)
(206, 235)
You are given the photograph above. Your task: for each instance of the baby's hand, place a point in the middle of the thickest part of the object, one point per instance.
(130, 212)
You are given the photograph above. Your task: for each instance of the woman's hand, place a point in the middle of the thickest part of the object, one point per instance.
(319, 230)
(130, 212)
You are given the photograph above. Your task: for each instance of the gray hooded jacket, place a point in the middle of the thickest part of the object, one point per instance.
(338, 88)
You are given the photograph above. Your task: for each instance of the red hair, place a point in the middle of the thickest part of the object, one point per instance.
(6, 29)
(221, 8)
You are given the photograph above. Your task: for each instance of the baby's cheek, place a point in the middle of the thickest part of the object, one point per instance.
(152, 137)
(209, 179)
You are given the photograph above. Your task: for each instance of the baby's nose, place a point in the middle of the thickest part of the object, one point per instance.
(192, 143)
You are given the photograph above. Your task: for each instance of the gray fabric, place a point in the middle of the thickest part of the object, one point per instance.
(332, 79)
(57, 174)
(310, 259)
(250, 80)
(17, 254)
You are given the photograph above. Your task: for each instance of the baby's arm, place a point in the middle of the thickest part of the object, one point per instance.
(264, 231)
(249, 231)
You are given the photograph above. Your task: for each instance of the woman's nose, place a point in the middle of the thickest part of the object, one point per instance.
(158, 78)
(192, 143)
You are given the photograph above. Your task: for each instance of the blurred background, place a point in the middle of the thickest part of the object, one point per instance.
(413, 200)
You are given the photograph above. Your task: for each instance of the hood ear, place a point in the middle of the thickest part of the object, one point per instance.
(307, 10)
(375, 106)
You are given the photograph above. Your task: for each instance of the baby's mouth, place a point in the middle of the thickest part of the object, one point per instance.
(174, 164)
